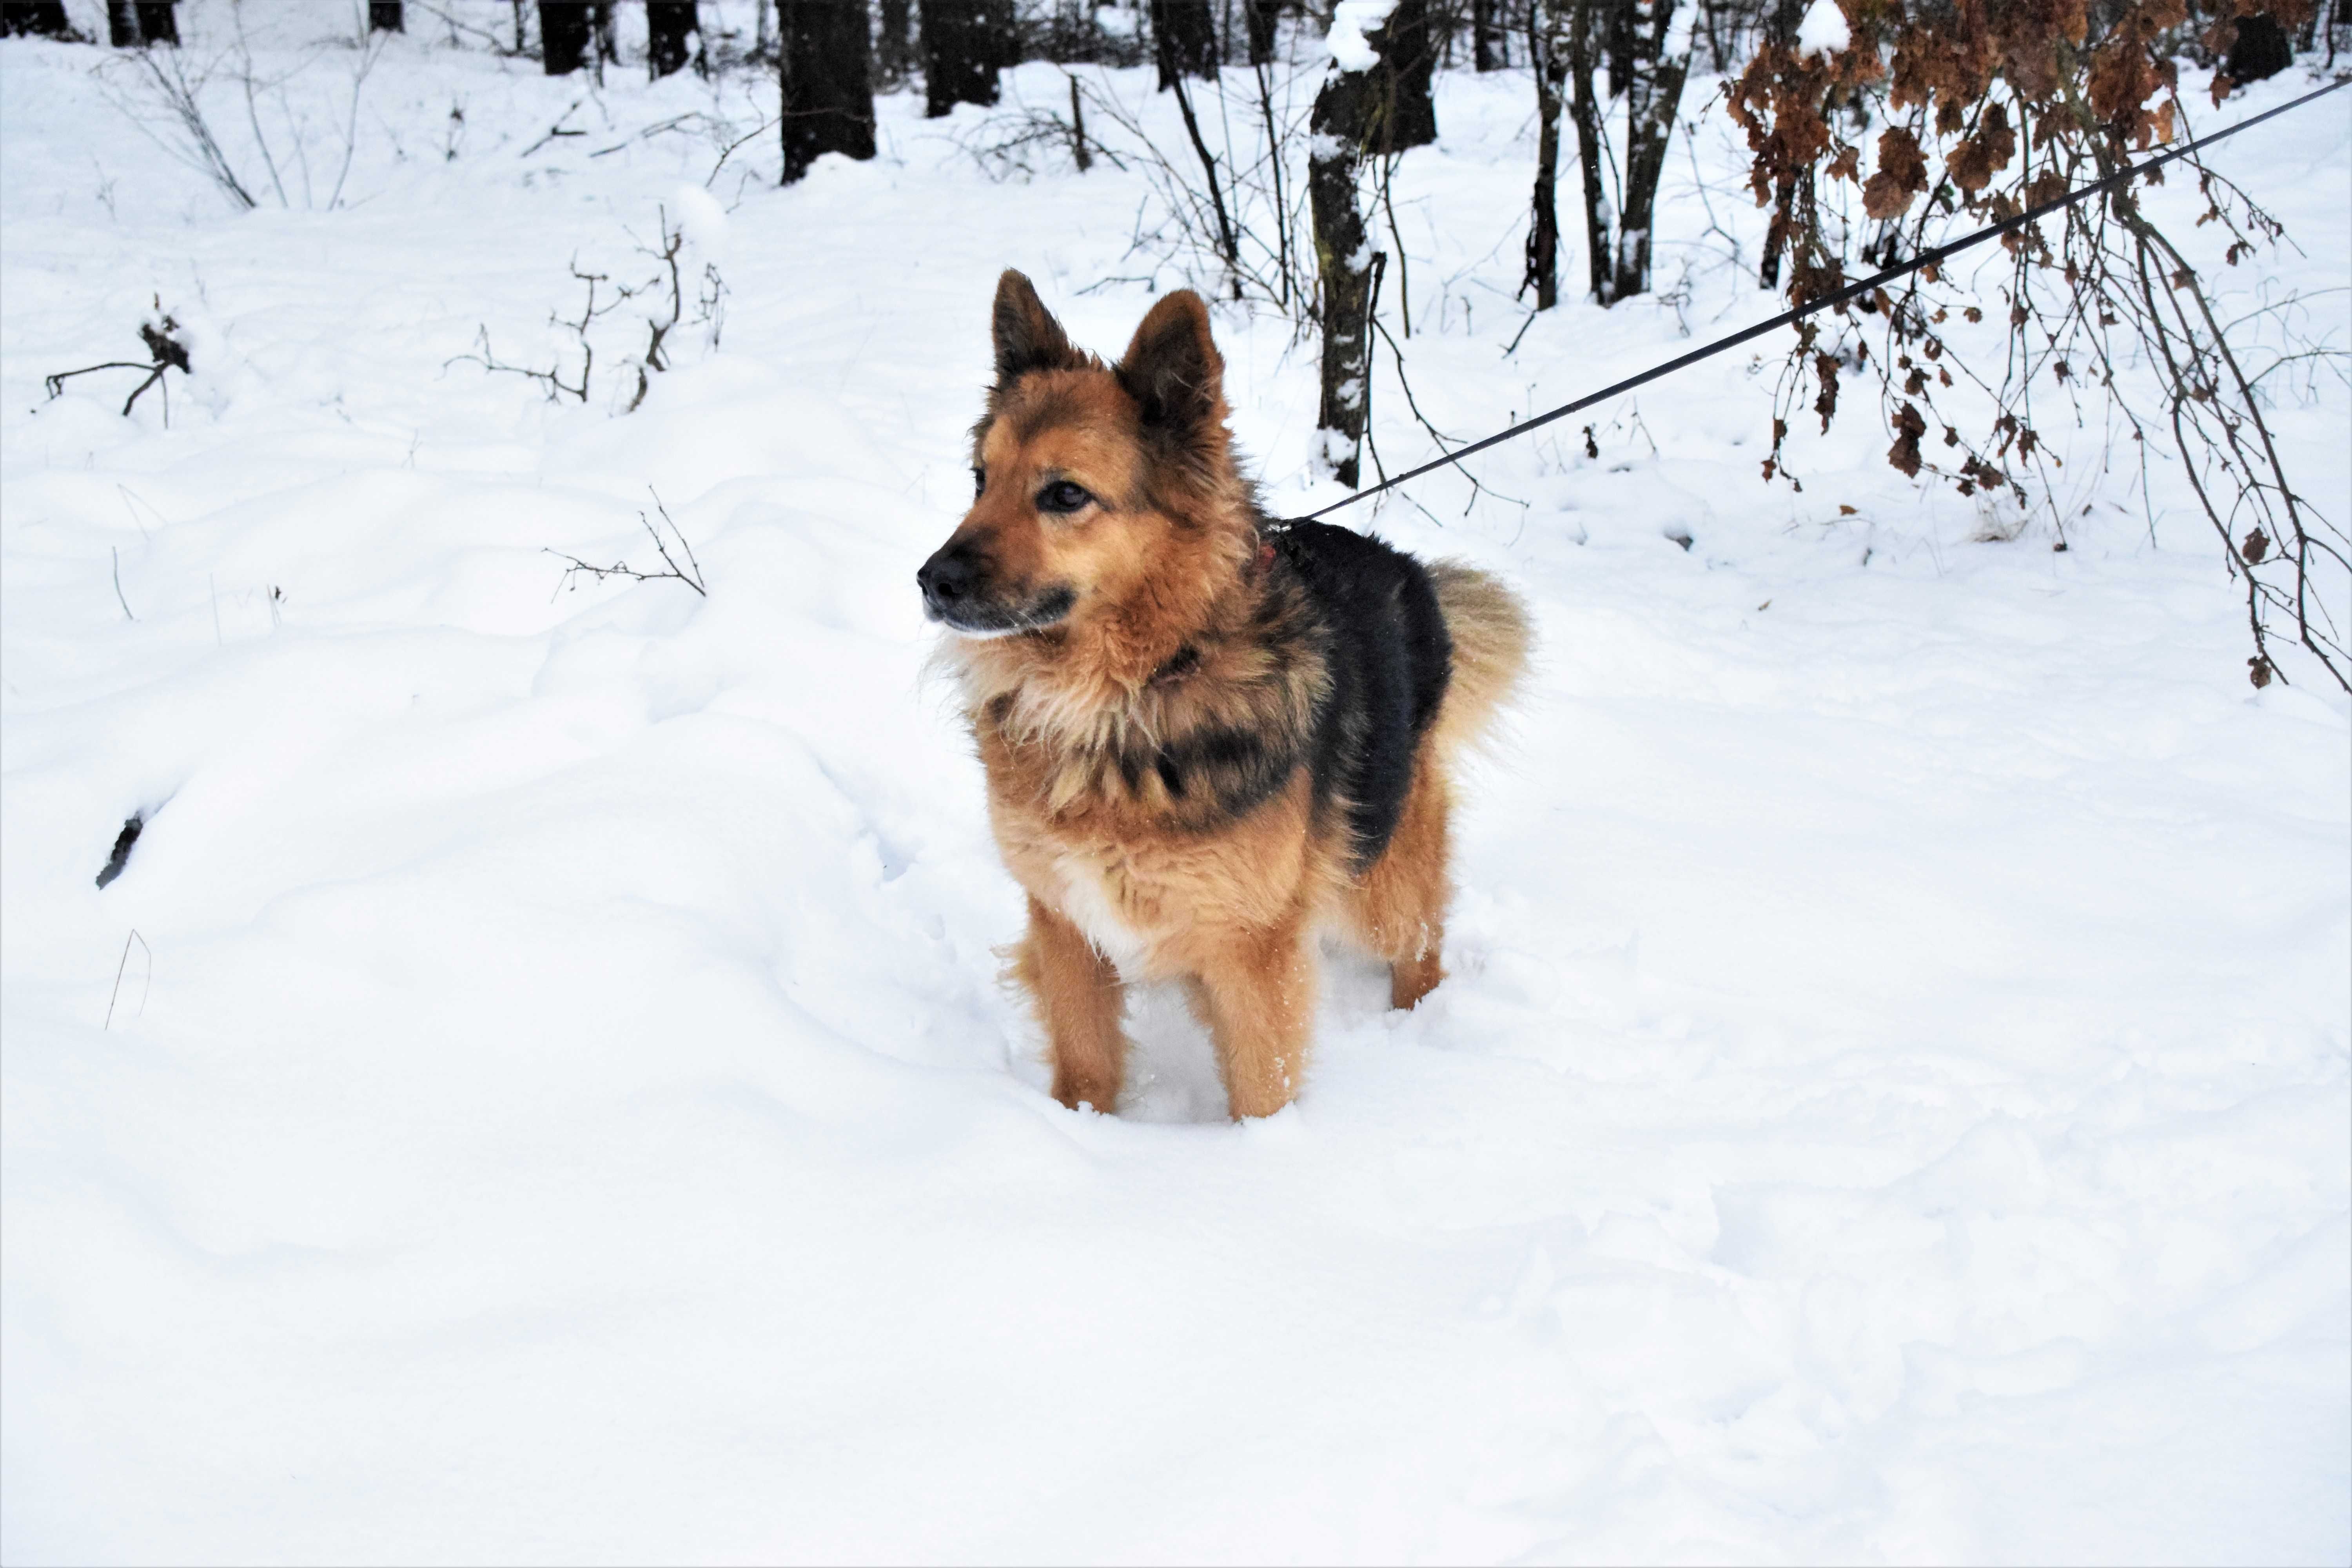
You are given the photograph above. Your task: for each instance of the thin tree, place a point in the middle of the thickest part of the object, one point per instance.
(1632, 41)
(1346, 110)
(1548, 49)
(1486, 35)
(826, 70)
(386, 17)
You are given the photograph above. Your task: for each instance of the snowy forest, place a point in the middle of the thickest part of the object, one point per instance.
(505, 1045)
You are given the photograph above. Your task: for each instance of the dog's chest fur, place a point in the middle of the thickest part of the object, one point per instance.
(1145, 815)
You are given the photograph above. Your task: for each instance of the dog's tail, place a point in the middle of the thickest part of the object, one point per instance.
(1492, 639)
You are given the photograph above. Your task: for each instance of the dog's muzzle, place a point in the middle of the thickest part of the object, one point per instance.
(955, 592)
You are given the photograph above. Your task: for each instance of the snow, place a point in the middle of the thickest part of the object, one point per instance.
(1823, 31)
(1351, 21)
(1890, 1099)
(703, 220)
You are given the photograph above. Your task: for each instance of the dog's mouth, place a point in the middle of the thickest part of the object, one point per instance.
(966, 619)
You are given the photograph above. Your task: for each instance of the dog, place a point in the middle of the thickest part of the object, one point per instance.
(1208, 735)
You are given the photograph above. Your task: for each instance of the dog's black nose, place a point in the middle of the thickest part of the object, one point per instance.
(949, 575)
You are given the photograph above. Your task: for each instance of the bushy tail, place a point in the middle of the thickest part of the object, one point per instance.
(1491, 642)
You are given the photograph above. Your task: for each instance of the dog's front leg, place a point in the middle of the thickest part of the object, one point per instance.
(1079, 1000)
(1259, 994)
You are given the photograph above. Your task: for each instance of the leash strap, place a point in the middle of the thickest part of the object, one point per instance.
(1850, 292)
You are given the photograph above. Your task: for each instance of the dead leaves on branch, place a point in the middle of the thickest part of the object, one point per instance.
(1987, 109)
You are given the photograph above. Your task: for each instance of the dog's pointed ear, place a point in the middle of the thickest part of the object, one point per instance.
(1027, 336)
(1172, 369)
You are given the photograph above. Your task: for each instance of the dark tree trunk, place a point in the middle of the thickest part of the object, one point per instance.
(669, 26)
(1183, 39)
(158, 23)
(122, 24)
(965, 44)
(385, 16)
(1581, 43)
(1486, 35)
(1259, 17)
(1780, 24)
(39, 18)
(1405, 115)
(563, 35)
(1546, 47)
(1653, 93)
(2260, 50)
(1343, 117)
(608, 45)
(826, 69)
(895, 47)
(1651, 86)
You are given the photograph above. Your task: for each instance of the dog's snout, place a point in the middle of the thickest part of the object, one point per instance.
(952, 574)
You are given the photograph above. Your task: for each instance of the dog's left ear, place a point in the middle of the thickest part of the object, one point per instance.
(1173, 368)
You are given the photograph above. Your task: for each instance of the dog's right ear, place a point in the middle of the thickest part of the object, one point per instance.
(1027, 336)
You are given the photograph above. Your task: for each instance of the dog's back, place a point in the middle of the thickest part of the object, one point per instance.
(1395, 660)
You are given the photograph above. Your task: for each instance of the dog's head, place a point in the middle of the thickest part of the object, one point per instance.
(1100, 491)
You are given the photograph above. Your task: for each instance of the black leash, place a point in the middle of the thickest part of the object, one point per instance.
(1851, 291)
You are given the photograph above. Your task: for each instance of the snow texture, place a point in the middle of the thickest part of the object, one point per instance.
(1351, 20)
(1889, 1101)
(1823, 31)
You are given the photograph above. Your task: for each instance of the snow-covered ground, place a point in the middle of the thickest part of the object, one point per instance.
(1891, 1101)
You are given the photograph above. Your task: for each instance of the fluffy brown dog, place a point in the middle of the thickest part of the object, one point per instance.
(1208, 735)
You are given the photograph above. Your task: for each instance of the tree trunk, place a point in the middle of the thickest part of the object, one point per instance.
(122, 24)
(669, 25)
(158, 23)
(1654, 93)
(1406, 115)
(1343, 115)
(39, 18)
(827, 71)
(896, 45)
(1546, 49)
(2261, 49)
(965, 43)
(1780, 26)
(1259, 18)
(1581, 47)
(1486, 35)
(1183, 39)
(385, 16)
(608, 43)
(563, 35)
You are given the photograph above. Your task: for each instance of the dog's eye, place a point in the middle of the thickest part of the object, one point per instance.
(1062, 496)
(979, 481)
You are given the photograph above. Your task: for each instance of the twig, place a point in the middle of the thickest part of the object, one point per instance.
(121, 965)
(119, 599)
(1396, 353)
(691, 574)
(557, 129)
